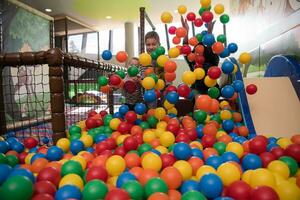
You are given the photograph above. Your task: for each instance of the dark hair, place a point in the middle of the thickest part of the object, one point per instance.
(210, 57)
(152, 34)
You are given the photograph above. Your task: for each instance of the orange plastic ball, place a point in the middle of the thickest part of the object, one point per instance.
(217, 47)
(196, 163)
(174, 195)
(132, 160)
(172, 177)
(121, 56)
(146, 175)
(158, 196)
(170, 66)
(181, 32)
(170, 76)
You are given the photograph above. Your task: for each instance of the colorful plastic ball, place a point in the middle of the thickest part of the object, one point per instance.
(151, 161)
(64, 144)
(150, 96)
(229, 173)
(227, 67)
(148, 83)
(172, 97)
(115, 165)
(132, 71)
(218, 47)
(171, 177)
(106, 55)
(193, 195)
(245, 58)
(12, 160)
(124, 178)
(182, 151)
(227, 91)
(287, 190)
(235, 148)
(188, 186)
(188, 77)
(114, 80)
(16, 187)
(121, 56)
(76, 146)
(181, 9)
(30, 142)
(251, 161)
(140, 108)
(22, 172)
(134, 189)
(200, 116)
(190, 16)
(42, 196)
(198, 22)
(71, 179)
(94, 189)
(68, 192)
(225, 53)
(166, 17)
(181, 32)
(291, 163)
(258, 145)
(117, 194)
(264, 193)
(102, 81)
(224, 18)
(251, 89)
(172, 30)
(155, 185)
(214, 72)
(184, 90)
(232, 47)
(4, 146)
(173, 52)
(44, 187)
(239, 190)
(238, 85)
(71, 167)
(49, 174)
(96, 172)
(207, 16)
(208, 39)
(214, 161)
(260, 177)
(211, 185)
(279, 167)
(4, 172)
(228, 125)
(219, 9)
(184, 168)
(17, 146)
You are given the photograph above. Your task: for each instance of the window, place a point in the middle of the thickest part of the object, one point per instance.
(118, 40)
(104, 40)
(75, 43)
(91, 43)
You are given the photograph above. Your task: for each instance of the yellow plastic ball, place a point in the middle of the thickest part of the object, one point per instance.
(160, 85)
(148, 83)
(166, 17)
(115, 165)
(168, 105)
(145, 59)
(236, 148)
(87, 140)
(287, 191)
(261, 177)
(148, 136)
(64, 144)
(114, 123)
(219, 9)
(205, 3)
(167, 139)
(223, 104)
(284, 142)
(184, 168)
(229, 173)
(279, 167)
(181, 9)
(235, 69)
(220, 134)
(160, 113)
(205, 169)
(245, 58)
(112, 180)
(81, 124)
(71, 179)
(28, 158)
(162, 149)
(246, 177)
(161, 125)
(188, 77)
(161, 60)
(209, 82)
(196, 144)
(225, 114)
(173, 52)
(121, 138)
(158, 132)
(151, 161)
(200, 73)
(173, 111)
(80, 160)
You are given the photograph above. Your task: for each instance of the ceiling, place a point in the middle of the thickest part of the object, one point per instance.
(93, 12)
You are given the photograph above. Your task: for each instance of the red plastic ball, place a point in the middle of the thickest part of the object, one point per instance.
(198, 22)
(130, 116)
(172, 30)
(293, 150)
(157, 94)
(214, 72)
(22, 157)
(191, 16)
(181, 137)
(92, 113)
(266, 158)
(264, 193)
(42, 197)
(277, 152)
(30, 142)
(130, 143)
(251, 89)
(91, 123)
(96, 172)
(49, 174)
(199, 59)
(171, 88)
(185, 49)
(192, 133)
(258, 145)
(208, 141)
(111, 143)
(183, 90)
(100, 147)
(121, 56)
(167, 159)
(114, 80)
(123, 128)
(239, 190)
(44, 187)
(117, 194)
(103, 113)
(207, 16)
(172, 128)
(121, 151)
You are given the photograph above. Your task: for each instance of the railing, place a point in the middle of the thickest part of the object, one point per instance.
(45, 92)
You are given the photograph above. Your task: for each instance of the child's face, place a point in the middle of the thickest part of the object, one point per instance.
(134, 62)
(151, 44)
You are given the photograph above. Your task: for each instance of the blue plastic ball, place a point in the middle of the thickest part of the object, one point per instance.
(124, 178)
(37, 156)
(55, 153)
(33, 150)
(204, 32)
(138, 121)
(251, 161)
(155, 151)
(117, 115)
(189, 185)
(238, 85)
(172, 97)
(199, 130)
(230, 156)
(100, 138)
(5, 170)
(4, 147)
(227, 67)
(45, 140)
(68, 192)
(106, 55)
(232, 47)
(272, 140)
(123, 109)
(17, 146)
(76, 146)
(271, 146)
(223, 198)
(22, 172)
(208, 39)
(140, 108)
(214, 161)
(227, 91)
(12, 140)
(182, 151)
(211, 185)
(150, 96)
(225, 53)
(228, 125)
(191, 95)
(197, 153)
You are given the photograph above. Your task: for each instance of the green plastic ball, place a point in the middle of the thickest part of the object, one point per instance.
(134, 189)
(220, 147)
(154, 55)
(160, 50)
(213, 92)
(3, 159)
(71, 167)
(152, 121)
(199, 37)
(200, 116)
(74, 129)
(221, 38)
(12, 160)
(16, 188)
(193, 195)
(102, 80)
(94, 189)
(121, 73)
(75, 136)
(133, 71)
(224, 18)
(144, 148)
(291, 163)
(155, 185)
(155, 78)
(144, 125)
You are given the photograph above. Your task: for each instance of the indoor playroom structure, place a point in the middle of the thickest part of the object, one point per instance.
(196, 116)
